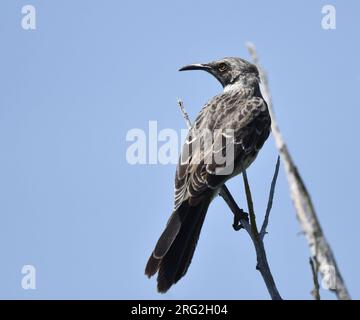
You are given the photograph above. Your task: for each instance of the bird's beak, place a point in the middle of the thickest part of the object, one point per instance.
(196, 66)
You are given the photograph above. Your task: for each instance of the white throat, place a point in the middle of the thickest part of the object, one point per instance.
(234, 86)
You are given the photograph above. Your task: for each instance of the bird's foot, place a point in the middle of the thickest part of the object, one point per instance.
(242, 215)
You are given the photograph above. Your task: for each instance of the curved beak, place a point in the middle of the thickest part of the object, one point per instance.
(196, 66)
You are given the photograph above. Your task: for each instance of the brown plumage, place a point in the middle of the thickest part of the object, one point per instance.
(241, 109)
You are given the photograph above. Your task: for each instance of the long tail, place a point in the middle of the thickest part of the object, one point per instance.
(175, 248)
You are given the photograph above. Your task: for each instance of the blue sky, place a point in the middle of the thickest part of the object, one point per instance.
(71, 205)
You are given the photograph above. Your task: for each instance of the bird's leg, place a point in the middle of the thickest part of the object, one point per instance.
(239, 214)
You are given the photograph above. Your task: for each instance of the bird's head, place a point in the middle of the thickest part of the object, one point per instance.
(228, 70)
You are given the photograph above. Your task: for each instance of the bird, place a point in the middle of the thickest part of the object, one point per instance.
(240, 109)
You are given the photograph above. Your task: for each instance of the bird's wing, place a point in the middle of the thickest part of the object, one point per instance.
(235, 122)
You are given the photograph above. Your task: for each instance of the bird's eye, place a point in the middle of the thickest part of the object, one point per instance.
(222, 67)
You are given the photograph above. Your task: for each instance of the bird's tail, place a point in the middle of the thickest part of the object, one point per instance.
(175, 248)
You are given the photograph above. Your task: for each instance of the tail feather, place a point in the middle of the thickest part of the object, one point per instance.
(152, 266)
(166, 239)
(190, 248)
(170, 233)
(177, 257)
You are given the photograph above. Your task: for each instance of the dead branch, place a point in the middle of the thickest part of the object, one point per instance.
(319, 247)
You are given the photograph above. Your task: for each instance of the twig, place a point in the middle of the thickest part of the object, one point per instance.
(319, 247)
(241, 217)
(184, 113)
(315, 269)
(270, 201)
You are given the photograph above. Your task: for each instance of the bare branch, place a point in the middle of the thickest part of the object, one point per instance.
(319, 247)
(262, 263)
(270, 201)
(250, 204)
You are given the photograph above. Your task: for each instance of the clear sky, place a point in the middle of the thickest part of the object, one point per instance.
(74, 208)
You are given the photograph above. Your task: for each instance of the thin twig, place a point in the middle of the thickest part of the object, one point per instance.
(184, 113)
(319, 246)
(270, 201)
(243, 220)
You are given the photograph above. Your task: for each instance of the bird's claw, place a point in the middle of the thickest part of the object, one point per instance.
(237, 225)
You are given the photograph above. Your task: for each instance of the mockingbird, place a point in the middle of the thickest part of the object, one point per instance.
(239, 109)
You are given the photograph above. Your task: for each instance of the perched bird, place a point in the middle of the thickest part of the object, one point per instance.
(239, 109)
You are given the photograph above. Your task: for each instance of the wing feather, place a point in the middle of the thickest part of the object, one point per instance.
(245, 116)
